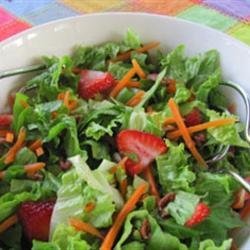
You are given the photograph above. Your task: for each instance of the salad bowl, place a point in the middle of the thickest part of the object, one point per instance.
(60, 37)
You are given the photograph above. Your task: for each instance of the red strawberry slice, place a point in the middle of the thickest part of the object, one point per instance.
(5, 120)
(202, 211)
(93, 82)
(193, 118)
(35, 219)
(144, 146)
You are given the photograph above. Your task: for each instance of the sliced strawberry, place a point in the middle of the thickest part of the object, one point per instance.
(144, 146)
(193, 118)
(201, 212)
(5, 120)
(35, 219)
(93, 82)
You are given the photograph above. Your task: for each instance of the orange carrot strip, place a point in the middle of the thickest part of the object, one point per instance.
(84, 227)
(36, 144)
(34, 167)
(122, 83)
(151, 180)
(133, 84)
(9, 137)
(89, 207)
(126, 55)
(184, 131)
(11, 154)
(66, 98)
(60, 96)
(212, 124)
(123, 185)
(39, 151)
(72, 104)
(109, 240)
(120, 163)
(138, 69)
(148, 46)
(8, 223)
(136, 98)
(168, 121)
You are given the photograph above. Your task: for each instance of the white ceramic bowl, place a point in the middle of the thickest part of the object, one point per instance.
(59, 37)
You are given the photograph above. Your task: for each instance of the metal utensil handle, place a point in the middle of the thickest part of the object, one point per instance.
(18, 71)
(245, 98)
(240, 179)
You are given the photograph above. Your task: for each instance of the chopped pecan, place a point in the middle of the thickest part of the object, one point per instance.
(163, 202)
(65, 165)
(145, 230)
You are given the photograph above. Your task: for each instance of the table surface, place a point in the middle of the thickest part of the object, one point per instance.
(229, 16)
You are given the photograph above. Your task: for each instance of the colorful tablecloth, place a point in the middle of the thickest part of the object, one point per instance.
(230, 16)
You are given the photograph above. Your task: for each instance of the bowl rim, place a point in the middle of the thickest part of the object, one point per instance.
(119, 13)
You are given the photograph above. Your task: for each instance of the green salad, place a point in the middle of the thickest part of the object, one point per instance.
(109, 148)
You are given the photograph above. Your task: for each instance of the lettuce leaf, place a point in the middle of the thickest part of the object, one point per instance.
(64, 238)
(209, 245)
(226, 135)
(158, 240)
(173, 169)
(182, 208)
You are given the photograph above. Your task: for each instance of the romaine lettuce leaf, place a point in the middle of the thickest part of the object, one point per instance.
(64, 238)
(209, 245)
(158, 240)
(182, 208)
(226, 135)
(173, 169)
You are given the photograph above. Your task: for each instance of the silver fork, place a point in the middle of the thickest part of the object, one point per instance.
(219, 156)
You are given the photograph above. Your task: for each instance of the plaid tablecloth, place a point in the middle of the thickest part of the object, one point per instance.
(230, 16)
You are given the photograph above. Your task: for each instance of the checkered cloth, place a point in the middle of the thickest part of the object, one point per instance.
(230, 16)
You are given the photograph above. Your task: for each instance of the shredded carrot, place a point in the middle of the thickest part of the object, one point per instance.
(4, 132)
(152, 183)
(39, 151)
(122, 83)
(133, 84)
(136, 98)
(138, 69)
(148, 46)
(184, 131)
(120, 163)
(9, 137)
(33, 167)
(171, 86)
(72, 104)
(8, 223)
(126, 55)
(123, 186)
(24, 103)
(168, 121)
(60, 96)
(84, 227)
(11, 154)
(89, 207)
(212, 124)
(66, 98)
(109, 239)
(36, 144)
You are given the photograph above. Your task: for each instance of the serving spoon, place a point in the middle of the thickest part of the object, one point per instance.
(222, 152)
